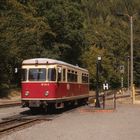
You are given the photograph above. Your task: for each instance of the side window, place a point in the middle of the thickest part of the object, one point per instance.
(24, 74)
(64, 74)
(72, 76)
(69, 76)
(59, 73)
(84, 78)
(75, 77)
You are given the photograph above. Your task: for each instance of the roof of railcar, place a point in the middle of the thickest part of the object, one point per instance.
(49, 61)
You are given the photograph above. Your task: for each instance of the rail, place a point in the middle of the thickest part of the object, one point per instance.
(15, 124)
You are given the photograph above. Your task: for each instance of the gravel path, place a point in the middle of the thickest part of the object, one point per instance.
(123, 124)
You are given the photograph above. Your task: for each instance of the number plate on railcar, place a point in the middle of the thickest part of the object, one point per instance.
(34, 103)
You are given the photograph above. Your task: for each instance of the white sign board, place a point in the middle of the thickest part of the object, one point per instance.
(105, 86)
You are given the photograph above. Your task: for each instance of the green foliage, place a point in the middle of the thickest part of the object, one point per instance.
(21, 37)
(105, 30)
(66, 22)
(75, 31)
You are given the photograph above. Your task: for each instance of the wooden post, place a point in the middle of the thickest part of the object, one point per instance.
(114, 100)
(133, 94)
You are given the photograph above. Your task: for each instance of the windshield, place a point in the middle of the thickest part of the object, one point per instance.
(38, 74)
(51, 74)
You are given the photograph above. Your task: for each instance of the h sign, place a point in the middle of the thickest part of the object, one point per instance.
(105, 86)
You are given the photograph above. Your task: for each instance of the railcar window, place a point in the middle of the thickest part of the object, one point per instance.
(59, 73)
(72, 76)
(37, 74)
(84, 78)
(24, 74)
(75, 77)
(69, 77)
(51, 74)
(64, 74)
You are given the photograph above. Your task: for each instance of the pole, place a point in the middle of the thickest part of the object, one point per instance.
(131, 39)
(122, 82)
(114, 100)
(97, 104)
(128, 76)
(104, 95)
(131, 51)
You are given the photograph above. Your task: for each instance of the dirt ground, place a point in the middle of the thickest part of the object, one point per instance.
(10, 93)
(10, 96)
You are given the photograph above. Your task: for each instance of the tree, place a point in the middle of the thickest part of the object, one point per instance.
(21, 37)
(66, 21)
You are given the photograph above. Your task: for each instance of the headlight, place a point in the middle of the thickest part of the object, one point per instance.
(46, 93)
(27, 93)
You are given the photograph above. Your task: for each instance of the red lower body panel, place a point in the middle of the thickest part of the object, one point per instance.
(37, 91)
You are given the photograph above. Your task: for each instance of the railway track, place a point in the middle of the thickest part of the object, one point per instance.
(23, 121)
(10, 104)
(19, 123)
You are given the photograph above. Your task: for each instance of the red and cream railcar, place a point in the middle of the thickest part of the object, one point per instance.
(48, 82)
